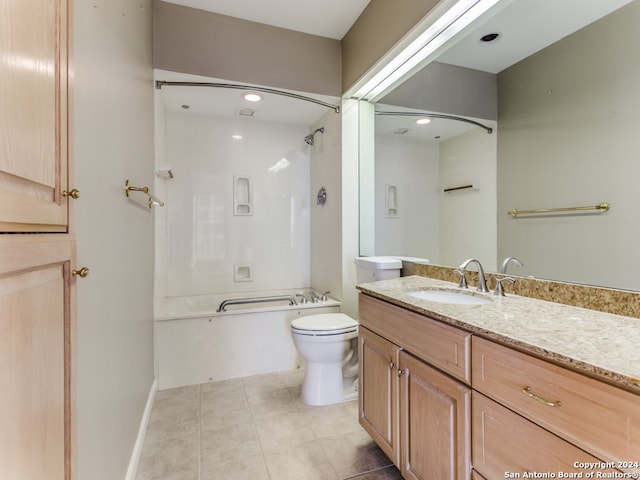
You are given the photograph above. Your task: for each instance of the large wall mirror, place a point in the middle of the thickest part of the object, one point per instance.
(559, 87)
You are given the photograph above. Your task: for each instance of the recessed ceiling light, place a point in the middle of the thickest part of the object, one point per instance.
(422, 121)
(252, 96)
(185, 106)
(236, 137)
(490, 37)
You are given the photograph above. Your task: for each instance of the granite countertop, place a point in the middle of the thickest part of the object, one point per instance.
(600, 345)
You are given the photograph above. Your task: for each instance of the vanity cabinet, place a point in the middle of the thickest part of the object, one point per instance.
(434, 423)
(559, 415)
(413, 401)
(445, 404)
(379, 359)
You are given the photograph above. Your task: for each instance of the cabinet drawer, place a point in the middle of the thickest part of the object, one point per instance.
(505, 443)
(595, 416)
(446, 347)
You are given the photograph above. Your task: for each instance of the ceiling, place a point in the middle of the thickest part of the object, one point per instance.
(327, 18)
(525, 26)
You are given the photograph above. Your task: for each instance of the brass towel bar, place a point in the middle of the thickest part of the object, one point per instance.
(603, 207)
(153, 200)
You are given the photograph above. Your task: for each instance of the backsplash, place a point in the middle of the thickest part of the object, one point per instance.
(608, 300)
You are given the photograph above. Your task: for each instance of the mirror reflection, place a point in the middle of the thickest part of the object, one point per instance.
(560, 89)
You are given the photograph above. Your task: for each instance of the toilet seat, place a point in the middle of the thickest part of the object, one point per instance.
(324, 324)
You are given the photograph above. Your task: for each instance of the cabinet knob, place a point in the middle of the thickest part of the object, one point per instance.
(82, 273)
(400, 372)
(391, 365)
(75, 193)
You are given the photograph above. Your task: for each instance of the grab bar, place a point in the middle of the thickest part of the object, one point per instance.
(243, 301)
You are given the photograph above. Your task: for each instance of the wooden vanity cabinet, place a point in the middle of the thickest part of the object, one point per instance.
(378, 391)
(561, 416)
(416, 413)
(435, 419)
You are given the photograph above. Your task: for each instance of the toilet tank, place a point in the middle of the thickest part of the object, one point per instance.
(372, 269)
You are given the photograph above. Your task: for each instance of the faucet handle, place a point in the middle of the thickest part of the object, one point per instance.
(498, 290)
(324, 295)
(303, 299)
(463, 279)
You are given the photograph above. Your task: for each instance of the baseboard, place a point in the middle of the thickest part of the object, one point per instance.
(137, 448)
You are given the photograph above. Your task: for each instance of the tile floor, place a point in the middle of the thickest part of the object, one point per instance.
(256, 428)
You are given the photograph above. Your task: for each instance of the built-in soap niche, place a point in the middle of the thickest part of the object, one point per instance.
(242, 195)
(243, 272)
(391, 200)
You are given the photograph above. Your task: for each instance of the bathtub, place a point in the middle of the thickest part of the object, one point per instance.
(195, 343)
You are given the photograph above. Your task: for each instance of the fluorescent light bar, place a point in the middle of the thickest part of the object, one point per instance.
(443, 29)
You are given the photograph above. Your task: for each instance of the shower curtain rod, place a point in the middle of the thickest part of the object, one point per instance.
(163, 83)
(437, 115)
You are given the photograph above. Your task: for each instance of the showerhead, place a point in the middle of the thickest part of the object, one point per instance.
(309, 138)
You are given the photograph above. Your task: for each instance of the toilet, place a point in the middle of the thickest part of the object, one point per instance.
(329, 342)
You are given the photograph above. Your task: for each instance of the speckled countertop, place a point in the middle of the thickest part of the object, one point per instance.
(600, 345)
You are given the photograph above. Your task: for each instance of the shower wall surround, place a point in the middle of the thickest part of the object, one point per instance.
(406, 192)
(233, 202)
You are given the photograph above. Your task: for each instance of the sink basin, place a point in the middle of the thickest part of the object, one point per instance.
(447, 296)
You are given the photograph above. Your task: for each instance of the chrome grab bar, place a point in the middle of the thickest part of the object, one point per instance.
(243, 301)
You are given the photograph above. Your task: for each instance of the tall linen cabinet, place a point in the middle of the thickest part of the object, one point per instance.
(37, 246)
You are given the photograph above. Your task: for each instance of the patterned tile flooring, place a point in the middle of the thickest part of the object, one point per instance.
(256, 428)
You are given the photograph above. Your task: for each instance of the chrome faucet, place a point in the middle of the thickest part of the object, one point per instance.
(482, 282)
(503, 269)
(499, 290)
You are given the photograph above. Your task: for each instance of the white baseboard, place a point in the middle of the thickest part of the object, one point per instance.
(137, 448)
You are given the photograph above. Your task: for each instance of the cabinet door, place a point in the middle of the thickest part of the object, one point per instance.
(378, 387)
(435, 423)
(33, 115)
(36, 438)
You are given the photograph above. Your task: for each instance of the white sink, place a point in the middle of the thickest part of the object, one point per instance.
(447, 296)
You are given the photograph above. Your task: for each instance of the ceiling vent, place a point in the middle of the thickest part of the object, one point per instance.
(247, 112)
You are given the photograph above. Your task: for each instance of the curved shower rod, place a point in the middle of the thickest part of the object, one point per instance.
(437, 115)
(163, 83)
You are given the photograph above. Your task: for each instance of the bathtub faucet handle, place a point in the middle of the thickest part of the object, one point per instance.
(324, 295)
(303, 299)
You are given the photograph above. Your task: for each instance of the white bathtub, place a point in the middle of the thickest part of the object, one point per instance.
(196, 344)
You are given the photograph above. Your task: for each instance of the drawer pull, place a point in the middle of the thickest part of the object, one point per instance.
(529, 393)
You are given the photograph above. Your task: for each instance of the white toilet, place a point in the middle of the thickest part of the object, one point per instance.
(329, 342)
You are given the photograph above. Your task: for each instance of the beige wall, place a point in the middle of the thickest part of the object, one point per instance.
(113, 129)
(449, 89)
(568, 136)
(380, 26)
(194, 41)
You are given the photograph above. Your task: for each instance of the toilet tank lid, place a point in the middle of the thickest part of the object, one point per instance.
(378, 263)
(324, 321)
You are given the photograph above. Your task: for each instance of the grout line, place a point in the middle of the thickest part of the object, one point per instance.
(368, 472)
(200, 432)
